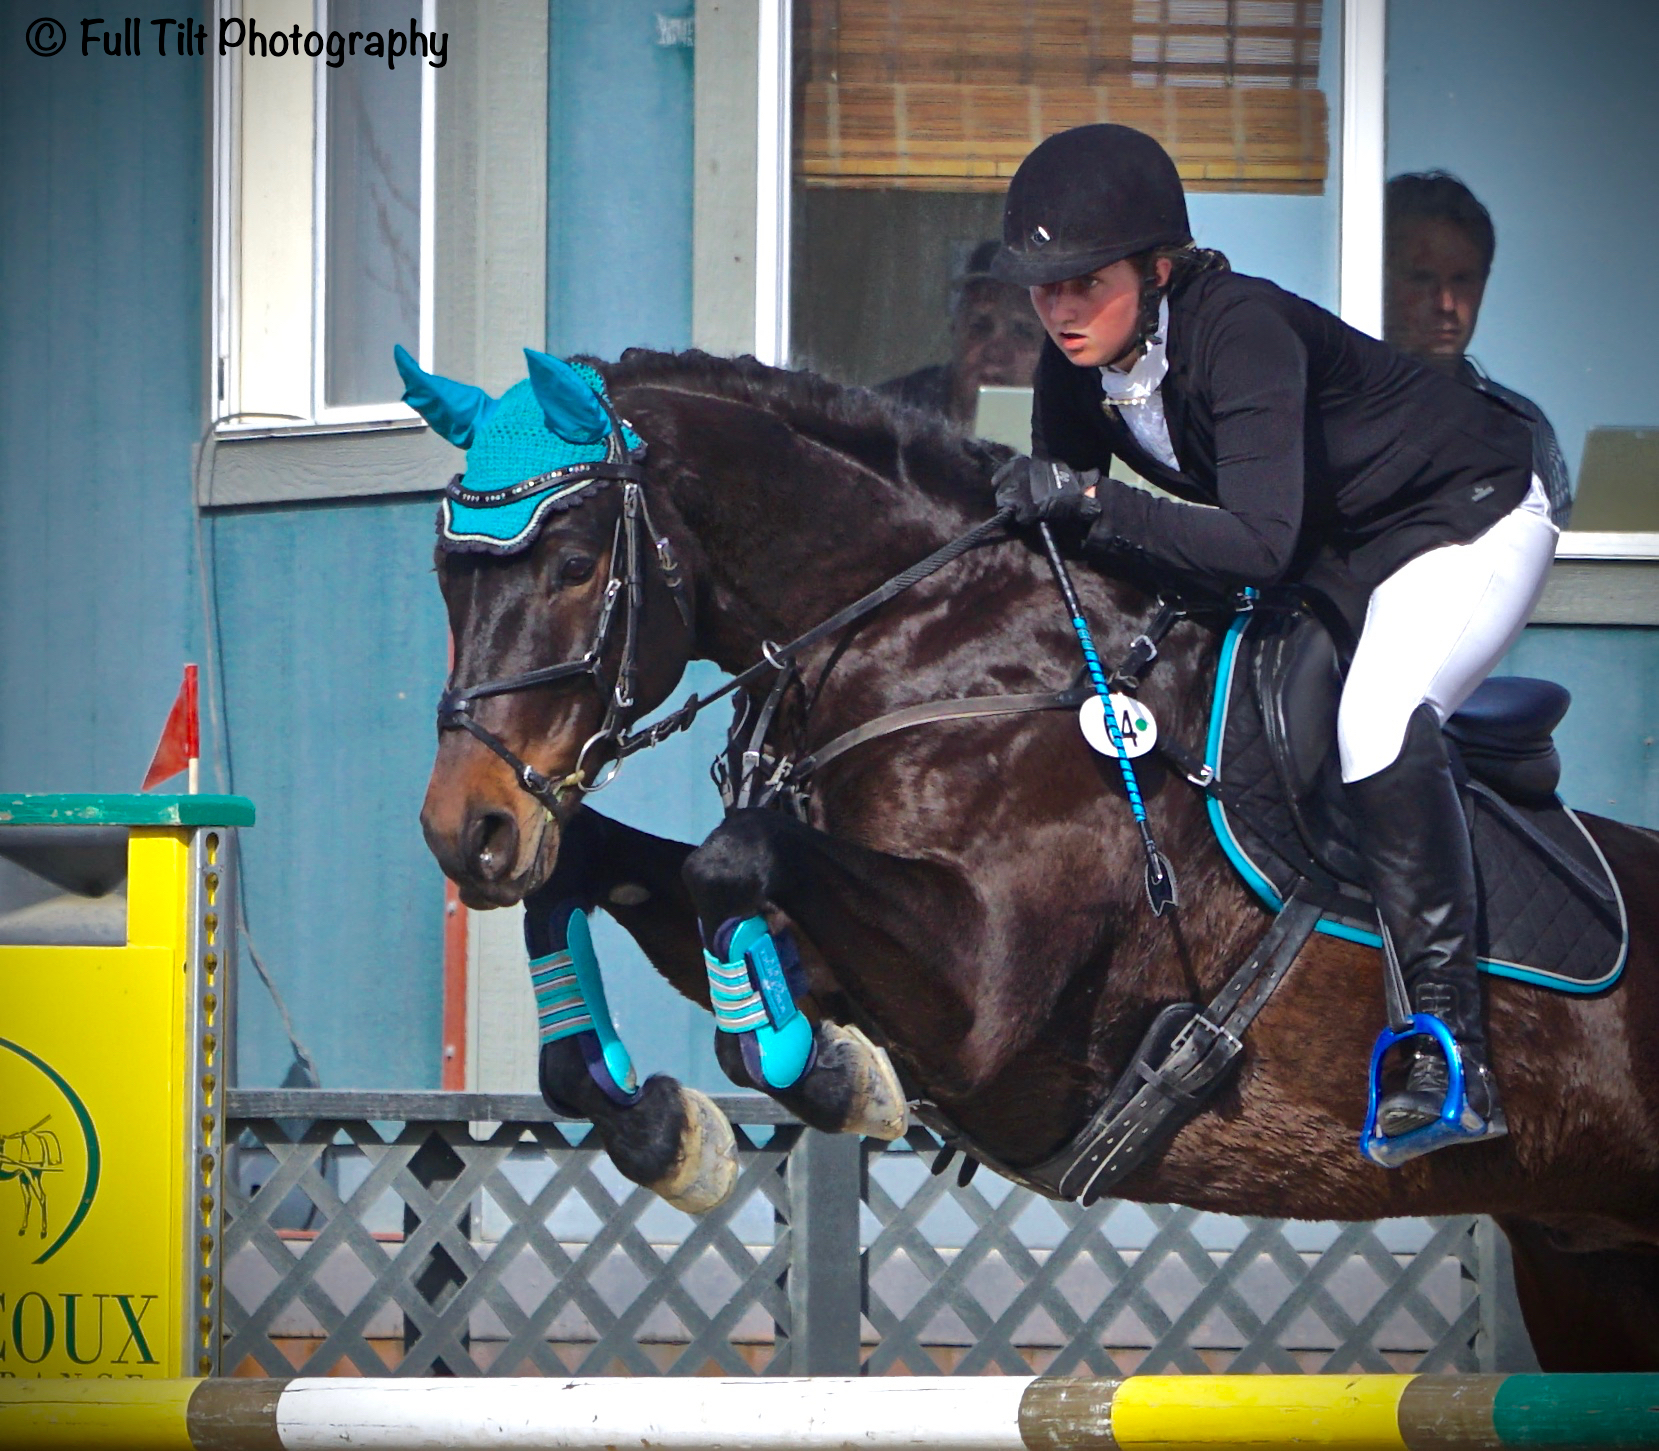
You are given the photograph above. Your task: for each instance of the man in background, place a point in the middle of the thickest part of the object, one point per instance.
(1440, 243)
(994, 341)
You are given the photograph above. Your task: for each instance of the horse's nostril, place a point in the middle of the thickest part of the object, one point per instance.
(492, 844)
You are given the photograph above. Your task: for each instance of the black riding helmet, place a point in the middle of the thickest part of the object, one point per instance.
(1086, 198)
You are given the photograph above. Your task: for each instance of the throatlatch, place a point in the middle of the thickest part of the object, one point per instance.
(754, 979)
(570, 998)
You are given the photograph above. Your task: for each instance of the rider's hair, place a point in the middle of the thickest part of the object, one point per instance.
(1439, 196)
(1185, 261)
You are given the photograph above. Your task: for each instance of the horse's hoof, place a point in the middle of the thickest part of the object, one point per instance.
(705, 1170)
(877, 1106)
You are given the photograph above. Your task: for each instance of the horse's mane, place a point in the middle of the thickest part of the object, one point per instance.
(892, 438)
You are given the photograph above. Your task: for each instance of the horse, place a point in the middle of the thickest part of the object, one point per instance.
(28, 1156)
(968, 894)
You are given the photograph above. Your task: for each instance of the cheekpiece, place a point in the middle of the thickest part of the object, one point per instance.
(519, 471)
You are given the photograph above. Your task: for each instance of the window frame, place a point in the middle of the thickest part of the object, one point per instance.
(232, 415)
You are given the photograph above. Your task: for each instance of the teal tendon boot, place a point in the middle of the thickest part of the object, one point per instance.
(570, 1000)
(751, 993)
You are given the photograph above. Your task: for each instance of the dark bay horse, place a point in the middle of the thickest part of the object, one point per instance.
(970, 893)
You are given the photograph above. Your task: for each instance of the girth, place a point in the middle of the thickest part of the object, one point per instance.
(1183, 1058)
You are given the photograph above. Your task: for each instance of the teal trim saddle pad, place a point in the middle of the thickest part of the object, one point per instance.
(519, 471)
(1550, 911)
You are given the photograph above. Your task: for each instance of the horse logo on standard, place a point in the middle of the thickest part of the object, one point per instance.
(27, 1157)
(52, 1150)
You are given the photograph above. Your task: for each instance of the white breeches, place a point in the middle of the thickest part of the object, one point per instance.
(1435, 628)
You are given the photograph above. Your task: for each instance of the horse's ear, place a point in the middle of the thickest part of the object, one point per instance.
(456, 411)
(567, 402)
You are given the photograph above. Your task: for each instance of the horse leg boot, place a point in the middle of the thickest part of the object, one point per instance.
(1415, 841)
(663, 1135)
(830, 1075)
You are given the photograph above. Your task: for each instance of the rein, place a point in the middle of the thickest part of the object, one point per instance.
(455, 706)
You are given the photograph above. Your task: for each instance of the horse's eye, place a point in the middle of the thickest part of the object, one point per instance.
(576, 569)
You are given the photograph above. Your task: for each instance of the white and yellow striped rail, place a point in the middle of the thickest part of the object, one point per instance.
(1423, 1413)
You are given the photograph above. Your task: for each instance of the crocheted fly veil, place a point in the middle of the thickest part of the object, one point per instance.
(534, 451)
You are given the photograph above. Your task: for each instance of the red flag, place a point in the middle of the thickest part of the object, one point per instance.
(180, 742)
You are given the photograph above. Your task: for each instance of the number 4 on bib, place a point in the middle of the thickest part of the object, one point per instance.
(1136, 725)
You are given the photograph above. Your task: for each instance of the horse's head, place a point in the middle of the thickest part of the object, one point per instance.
(550, 572)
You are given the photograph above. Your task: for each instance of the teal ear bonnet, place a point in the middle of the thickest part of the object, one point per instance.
(537, 450)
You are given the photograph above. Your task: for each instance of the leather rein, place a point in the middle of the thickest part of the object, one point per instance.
(624, 594)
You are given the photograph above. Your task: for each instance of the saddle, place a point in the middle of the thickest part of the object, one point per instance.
(1550, 912)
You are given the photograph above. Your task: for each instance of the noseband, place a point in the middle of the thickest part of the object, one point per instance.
(625, 583)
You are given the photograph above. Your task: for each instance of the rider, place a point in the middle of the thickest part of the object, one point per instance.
(1328, 460)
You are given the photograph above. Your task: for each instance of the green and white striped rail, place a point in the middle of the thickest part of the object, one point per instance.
(1012, 1413)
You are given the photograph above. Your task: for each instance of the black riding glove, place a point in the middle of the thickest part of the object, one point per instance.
(1047, 490)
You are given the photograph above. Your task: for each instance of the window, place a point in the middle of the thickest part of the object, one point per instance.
(910, 116)
(324, 178)
(1535, 148)
(938, 94)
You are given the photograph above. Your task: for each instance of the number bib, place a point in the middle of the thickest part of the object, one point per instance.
(1136, 725)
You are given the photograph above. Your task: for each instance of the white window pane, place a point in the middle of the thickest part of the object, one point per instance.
(373, 187)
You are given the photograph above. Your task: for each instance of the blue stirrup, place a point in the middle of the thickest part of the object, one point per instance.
(570, 1002)
(1456, 1121)
(750, 992)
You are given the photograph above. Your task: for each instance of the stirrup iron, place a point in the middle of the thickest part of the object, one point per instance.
(1457, 1123)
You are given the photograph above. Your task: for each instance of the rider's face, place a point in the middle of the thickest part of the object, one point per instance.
(1092, 318)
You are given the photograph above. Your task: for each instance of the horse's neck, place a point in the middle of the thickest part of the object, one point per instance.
(798, 534)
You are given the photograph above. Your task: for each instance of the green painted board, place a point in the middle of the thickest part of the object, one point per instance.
(1577, 1412)
(125, 810)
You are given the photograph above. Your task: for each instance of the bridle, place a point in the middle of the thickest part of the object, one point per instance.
(624, 587)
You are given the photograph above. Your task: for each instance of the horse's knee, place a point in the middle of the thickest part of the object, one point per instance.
(733, 872)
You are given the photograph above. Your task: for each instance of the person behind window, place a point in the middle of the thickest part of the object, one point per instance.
(1440, 244)
(1332, 463)
(994, 341)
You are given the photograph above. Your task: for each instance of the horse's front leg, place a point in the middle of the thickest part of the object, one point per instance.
(661, 1134)
(893, 927)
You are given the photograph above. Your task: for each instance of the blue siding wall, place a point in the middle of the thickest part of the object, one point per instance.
(334, 640)
(619, 276)
(101, 284)
(619, 179)
(1609, 741)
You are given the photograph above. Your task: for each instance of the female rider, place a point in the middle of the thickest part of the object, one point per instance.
(1327, 460)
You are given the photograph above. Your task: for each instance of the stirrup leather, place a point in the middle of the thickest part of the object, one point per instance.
(1457, 1123)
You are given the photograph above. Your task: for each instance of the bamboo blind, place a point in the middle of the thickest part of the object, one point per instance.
(952, 94)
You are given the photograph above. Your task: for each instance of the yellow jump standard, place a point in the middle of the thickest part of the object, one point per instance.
(1170, 1413)
(116, 947)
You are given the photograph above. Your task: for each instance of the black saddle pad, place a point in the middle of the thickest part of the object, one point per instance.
(1551, 922)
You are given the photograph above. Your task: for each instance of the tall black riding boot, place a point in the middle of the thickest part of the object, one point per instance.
(1415, 841)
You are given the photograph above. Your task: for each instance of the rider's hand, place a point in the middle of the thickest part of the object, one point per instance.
(1047, 490)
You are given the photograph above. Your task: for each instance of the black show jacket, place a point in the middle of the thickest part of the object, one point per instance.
(1327, 457)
